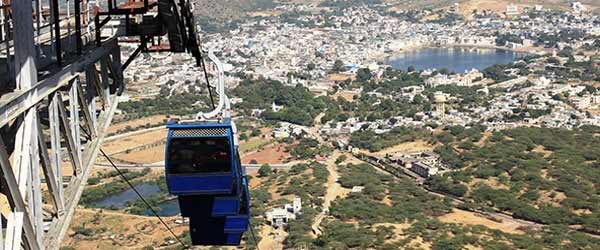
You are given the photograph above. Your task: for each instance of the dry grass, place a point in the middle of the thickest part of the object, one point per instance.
(471, 247)
(387, 200)
(346, 95)
(253, 144)
(139, 231)
(255, 181)
(552, 197)
(153, 120)
(469, 218)
(419, 243)
(134, 141)
(146, 156)
(484, 139)
(265, 13)
(542, 150)
(272, 154)
(492, 182)
(408, 147)
(398, 229)
(272, 239)
(338, 77)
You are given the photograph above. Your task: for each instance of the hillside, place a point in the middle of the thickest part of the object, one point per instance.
(231, 9)
(467, 6)
(221, 13)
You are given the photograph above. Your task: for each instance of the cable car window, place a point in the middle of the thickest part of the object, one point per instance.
(199, 155)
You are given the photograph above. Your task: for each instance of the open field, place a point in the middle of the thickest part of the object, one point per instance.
(253, 144)
(152, 120)
(134, 141)
(272, 154)
(347, 95)
(419, 243)
(146, 156)
(98, 229)
(338, 77)
(408, 147)
(469, 218)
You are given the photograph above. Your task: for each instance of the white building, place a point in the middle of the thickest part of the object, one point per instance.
(578, 7)
(281, 216)
(512, 10)
(275, 107)
(281, 133)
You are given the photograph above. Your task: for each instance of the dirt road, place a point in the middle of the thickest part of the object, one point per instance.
(334, 190)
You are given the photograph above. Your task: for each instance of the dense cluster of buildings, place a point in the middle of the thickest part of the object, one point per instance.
(302, 48)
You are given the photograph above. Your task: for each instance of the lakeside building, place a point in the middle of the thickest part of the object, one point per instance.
(469, 79)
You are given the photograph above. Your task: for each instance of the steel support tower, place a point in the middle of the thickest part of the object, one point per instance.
(60, 77)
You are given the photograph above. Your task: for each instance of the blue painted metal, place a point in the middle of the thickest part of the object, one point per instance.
(217, 203)
(200, 183)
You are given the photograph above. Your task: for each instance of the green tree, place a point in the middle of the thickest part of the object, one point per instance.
(364, 74)
(265, 170)
(338, 66)
(341, 159)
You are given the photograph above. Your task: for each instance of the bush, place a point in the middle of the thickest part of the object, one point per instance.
(265, 170)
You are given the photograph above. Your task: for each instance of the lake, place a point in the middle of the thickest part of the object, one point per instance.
(167, 208)
(122, 199)
(458, 60)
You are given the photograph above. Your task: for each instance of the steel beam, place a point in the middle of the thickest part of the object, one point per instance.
(13, 231)
(38, 150)
(56, 159)
(57, 43)
(1, 236)
(71, 145)
(59, 229)
(22, 100)
(18, 200)
(49, 173)
(73, 119)
(87, 115)
(25, 155)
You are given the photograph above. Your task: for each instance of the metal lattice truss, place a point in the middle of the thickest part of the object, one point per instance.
(51, 130)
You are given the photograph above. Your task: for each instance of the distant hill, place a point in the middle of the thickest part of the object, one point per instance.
(230, 9)
(223, 15)
(500, 5)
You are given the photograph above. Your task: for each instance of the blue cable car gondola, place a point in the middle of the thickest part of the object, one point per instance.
(200, 159)
(203, 169)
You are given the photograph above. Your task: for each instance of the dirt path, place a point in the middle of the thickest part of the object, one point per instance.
(334, 190)
(272, 239)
